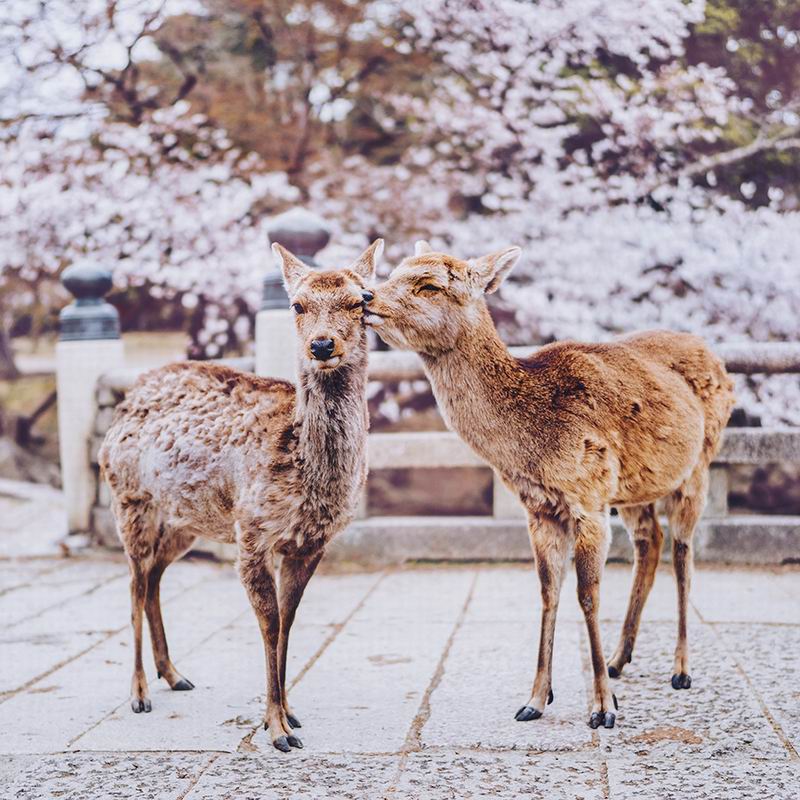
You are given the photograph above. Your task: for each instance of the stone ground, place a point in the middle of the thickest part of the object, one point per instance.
(406, 682)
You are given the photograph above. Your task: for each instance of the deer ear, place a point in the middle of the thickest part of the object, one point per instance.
(421, 247)
(293, 269)
(365, 264)
(488, 272)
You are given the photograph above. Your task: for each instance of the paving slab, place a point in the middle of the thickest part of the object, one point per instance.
(28, 658)
(90, 688)
(771, 595)
(33, 519)
(719, 716)
(393, 645)
(229, 674)
(16, 573)
(489, 674)
(462, 774)
(85, 776)
(406, 683)
(37, 644)
(770, 655)
(687, 778)
(302, 776)
(27, 602)
(512, 593)
(662, 602)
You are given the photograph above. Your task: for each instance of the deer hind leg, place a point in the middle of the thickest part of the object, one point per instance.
(647, 536)
(592, 538)
(140, 701)
(257, 575)
(684, 508)
(169, 549)
(295, 573)
(550, 543)
(138, 535)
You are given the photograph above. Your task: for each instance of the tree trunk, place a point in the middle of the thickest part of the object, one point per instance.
(8, 369)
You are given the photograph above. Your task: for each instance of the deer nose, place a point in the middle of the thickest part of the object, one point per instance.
(322, 349)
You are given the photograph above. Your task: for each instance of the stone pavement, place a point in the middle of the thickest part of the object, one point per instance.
(406, 682)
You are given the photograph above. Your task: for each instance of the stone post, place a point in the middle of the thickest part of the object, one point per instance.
(88, 345)
(505, 504)
(304, 234)
(718, 488)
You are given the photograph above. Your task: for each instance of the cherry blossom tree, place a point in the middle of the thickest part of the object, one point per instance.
(170, 204)
(642, 172)
(578, 131)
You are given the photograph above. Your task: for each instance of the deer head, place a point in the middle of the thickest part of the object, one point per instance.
(328, 308)
(431, 299)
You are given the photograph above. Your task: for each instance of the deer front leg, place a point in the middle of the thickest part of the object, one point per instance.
(550, 542)
(295, 573)
(593, 536)
(258, 579)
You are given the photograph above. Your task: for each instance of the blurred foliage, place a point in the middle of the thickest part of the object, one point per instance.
(232, 64)
(757, 42)
(253, 65)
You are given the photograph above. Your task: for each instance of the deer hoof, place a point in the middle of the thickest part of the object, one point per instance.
(183, 685)
(604, 718)
(681, 681)
(293, 721)
(613, 672)
(139, 705)
(527, 713)
(282, 744)
(550, 697)
(294, 742)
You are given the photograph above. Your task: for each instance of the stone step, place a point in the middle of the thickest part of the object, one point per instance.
(739, 539)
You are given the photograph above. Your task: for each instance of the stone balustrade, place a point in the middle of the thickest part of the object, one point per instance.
(723, 537)
(93, 378)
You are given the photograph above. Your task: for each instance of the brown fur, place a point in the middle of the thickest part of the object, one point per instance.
(574, 429)
(198, 449)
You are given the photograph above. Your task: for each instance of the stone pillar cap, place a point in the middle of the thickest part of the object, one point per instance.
(302, 232)
(89, 316)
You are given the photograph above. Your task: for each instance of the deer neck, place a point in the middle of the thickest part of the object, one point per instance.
(477, 385)
(331, 420)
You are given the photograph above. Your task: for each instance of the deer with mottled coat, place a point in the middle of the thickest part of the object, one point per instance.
(572, 430)
(198, 449)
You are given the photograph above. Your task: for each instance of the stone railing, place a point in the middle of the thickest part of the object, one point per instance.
(723, 537)
(93, 379)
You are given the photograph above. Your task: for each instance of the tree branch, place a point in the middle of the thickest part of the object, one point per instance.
(726, 158)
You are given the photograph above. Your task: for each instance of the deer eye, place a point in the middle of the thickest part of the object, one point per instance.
(429, 287)
(367, 296)
(298, 309)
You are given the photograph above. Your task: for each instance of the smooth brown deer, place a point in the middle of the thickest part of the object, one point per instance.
(572, 430)
(198, 449)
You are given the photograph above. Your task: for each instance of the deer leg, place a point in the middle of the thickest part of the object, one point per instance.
(593, 536)
(139, 698)
(647, 538)
(295, 573)
(550, 543)
(164, 666)
(682, 561)
(684, 508)
(259, 581)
